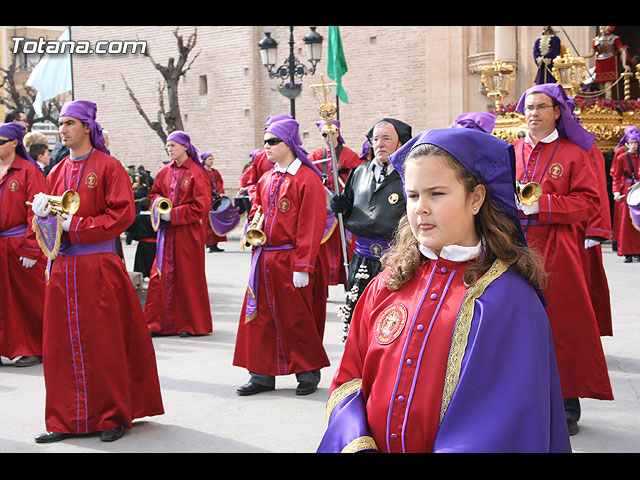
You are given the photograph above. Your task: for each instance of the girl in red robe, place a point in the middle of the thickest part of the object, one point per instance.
(449, 348)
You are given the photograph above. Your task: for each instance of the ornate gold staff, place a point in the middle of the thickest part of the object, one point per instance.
(322, 93)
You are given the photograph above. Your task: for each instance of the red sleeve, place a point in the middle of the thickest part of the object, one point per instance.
(311, 221)
(599, 225)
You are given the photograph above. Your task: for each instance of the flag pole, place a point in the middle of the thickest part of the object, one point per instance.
(71, 67)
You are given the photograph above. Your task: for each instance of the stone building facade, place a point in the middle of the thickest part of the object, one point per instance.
(423, 75)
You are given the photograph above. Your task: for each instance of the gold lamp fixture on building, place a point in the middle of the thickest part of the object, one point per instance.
(497, 79)
(570, 72)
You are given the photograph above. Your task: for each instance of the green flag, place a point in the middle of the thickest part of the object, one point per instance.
(336, 63)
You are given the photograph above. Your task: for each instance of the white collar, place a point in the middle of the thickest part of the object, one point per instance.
(455, 253)
(376, 167)
(548, 139)
(292, 168)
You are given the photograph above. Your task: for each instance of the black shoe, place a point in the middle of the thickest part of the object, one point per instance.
(628, 259)
(305, 388)
(185, 334)
(112, 434)
(636, 258)
(215, 248)
(573, 427)
(50, 437)
(28, 361)
(252, 388)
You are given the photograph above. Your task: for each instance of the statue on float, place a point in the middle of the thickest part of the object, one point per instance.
(606, 47)
(545, 49)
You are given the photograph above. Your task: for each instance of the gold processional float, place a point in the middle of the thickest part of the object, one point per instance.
(605, 118)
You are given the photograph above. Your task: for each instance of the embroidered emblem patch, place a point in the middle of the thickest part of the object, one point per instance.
(393, 198)
(376, 249)
(284, 205)
(185, 183)
(556, 170)
(91, 180)
(13, 185)
(390, 323)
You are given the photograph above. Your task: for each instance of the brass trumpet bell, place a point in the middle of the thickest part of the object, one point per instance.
(254, 234)
(528, 193)
(164, 205)
(68, 202)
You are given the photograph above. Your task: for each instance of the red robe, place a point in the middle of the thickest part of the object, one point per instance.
(217, 186)
(286, 334)
(570, 197)
(598, 225)
(628, 237)
(331, 249)
(259, 166)
(178, 298)
(99, 362)
(21, 289)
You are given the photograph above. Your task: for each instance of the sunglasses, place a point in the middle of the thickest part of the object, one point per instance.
(5, 140)
(272, 141)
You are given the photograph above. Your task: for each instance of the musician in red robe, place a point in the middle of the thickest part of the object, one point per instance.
(99, 362)
(554, 153)
(178, 298)
(21, 260)
(282, 323)
(625, 172)
(217, 189)
(331, 250)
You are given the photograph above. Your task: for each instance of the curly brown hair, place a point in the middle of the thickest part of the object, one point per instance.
(498, 232)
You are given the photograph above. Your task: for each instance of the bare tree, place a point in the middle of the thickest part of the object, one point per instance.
(171, 73)
(21, 97)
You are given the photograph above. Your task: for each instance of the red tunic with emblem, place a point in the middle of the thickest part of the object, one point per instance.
(99, 362)
(623, 176)
(21, 289)
(285, 336)
(598, 225)
(377, 349)
(570, 197)
(331, 249)
(178, 297)
(217, 185)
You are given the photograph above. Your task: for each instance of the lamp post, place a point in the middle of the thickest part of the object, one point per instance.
(292, 67)
(497, 79)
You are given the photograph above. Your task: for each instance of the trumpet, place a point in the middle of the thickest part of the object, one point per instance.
(68, 202)
(164, 205)
(254, 235)
(528, 193)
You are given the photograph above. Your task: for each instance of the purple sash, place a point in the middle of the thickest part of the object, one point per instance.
(371, 247)
(252, 288)
(69, 250)
(18, 231)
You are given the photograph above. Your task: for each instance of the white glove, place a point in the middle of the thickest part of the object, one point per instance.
(617, 196)
(66, 223)
(530, 209)
(27, 262)
(166, 217)
(300, 279)
(41, 206)
(590, 242)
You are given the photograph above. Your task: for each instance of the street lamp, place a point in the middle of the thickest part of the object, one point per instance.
(292, 67)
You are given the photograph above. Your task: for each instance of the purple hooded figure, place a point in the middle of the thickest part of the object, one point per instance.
(15, 131)
(483, 121)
